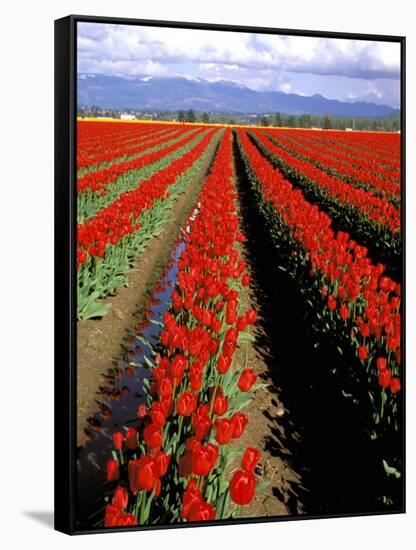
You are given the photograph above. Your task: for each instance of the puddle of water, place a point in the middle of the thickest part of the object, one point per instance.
(119, 399)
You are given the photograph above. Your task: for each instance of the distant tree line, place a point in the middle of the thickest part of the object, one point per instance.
(389, 123)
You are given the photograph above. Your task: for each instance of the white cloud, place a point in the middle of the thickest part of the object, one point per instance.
(336, 68)
(133, 45)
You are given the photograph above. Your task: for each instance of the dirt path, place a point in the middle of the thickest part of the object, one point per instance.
(265, 414)
(100, 342)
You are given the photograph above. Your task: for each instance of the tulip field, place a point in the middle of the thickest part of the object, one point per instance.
(171, 424)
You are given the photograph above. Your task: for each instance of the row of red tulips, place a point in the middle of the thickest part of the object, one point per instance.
(383, 147)
(98, 180)
(91, 202)
(174, 465)
(359, 170)
(108, 242)
(377, 210)
(385, 163)
(95, 137)
(111, 224)
(132, 149)
(383, 244)
(351, 292)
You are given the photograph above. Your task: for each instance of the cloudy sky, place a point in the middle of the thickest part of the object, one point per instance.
(348, 70)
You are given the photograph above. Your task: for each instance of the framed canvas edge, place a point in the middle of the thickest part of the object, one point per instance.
(65, 376)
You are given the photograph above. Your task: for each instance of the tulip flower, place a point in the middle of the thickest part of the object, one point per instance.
(114, 517)
(204, 458)
(242, 487)
(251, 316)
(241, 323)
(121, 498)
(224, 431)
(223, 364)
(245, 281)
(118, 440)
(153, 437)
(220, 405)
(113, 472)
(381, 363)
(362, 353)
(246, 380)
(384, 378)
(192, 497)
(343, 311)
(250, 459)
(158, 412)
(201, 512)
(395, 385)
(131, 439)
(142, 474)
(239, 422)
(186, 403)
(162, 462)
(141, 410)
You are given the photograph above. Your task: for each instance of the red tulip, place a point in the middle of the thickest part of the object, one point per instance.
(116, 518)
(241, 323)
(250, 459)
(192, 497)
(220, 405)
(201, 422)
(242, 487)
(224, 431)
(384, 377)
(381, 363)
(121, 498)
(331, 303)
(178, 367)
(113, 472)
(365, 330)
(245, 281)
(246, 380)
(232, 335)
(141, 411)
(195, 378)
(362, 353)
(162, 463)
(343, 311)
(142, 474)
(186, 403)
(251, 316)
(239, 422)
(228, 348)
(153, 437)
(118, 440)
(204, 458)
(165, 388)
(395, 385)
(185, 464)
(230, 314)
(223, 364)
(158, 412)
(201, 512)
(131, 439)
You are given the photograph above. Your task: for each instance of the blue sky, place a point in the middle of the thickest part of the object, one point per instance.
(348, 70)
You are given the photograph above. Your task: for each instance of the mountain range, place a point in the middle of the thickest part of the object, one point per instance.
(180, 92)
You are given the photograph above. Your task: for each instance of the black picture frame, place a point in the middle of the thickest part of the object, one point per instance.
(65, 255)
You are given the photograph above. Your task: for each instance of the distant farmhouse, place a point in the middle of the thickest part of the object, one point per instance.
(127, 116)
